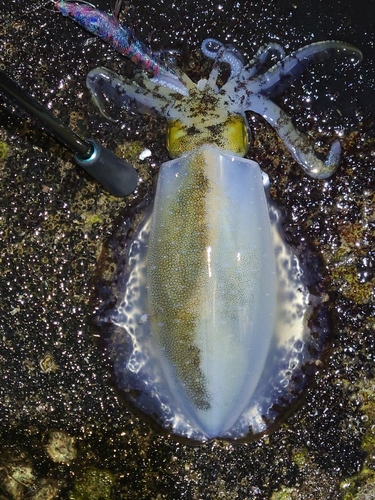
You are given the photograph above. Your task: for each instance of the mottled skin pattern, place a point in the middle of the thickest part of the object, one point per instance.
(175, 279)
(177, 256)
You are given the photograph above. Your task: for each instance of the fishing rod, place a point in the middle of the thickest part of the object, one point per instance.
(116, 175)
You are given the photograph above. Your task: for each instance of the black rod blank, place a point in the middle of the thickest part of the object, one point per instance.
(116, 175)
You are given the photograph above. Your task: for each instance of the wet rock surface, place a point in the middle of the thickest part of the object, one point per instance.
(54, 221)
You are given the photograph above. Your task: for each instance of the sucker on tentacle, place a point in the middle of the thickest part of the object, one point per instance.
(228, 54)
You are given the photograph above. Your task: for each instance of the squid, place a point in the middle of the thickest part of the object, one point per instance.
(213, 318)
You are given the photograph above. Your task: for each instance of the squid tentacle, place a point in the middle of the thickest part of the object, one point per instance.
(282, 74)
(299, 146)
(259, 62)
(111, 93)
(223, 54)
